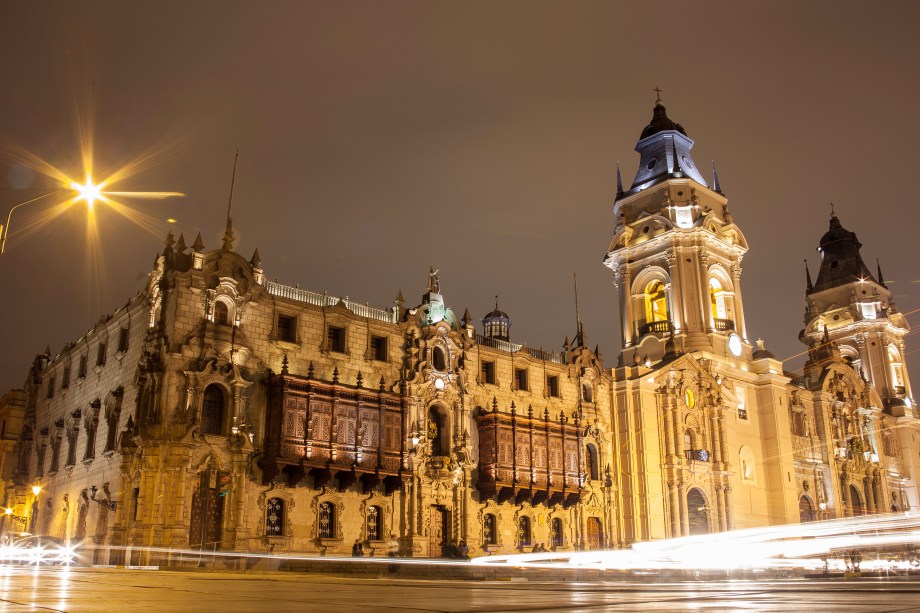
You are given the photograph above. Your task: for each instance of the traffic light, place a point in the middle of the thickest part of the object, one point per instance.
(224, 484)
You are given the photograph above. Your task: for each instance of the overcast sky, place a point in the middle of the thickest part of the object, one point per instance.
(377, 139)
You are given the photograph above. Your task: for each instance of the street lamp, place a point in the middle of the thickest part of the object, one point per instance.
(88, 192)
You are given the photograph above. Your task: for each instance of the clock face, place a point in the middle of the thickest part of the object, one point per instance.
(734, 345)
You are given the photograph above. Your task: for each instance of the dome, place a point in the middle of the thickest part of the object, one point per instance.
(497, 324)
(660, 123)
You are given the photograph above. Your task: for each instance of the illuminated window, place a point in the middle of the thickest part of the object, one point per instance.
(556, 534)
(716, 299)
(741, 395)
(656, 303)
(326, 520)
(894, 362)
(525, 536)
(374, 522)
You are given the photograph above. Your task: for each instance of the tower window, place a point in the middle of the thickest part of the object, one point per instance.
(586, 393)
(488, 372)
(101, 355)
(520, 378)
(656, 302)
(82, 370)
(379, 348)
(438, 361)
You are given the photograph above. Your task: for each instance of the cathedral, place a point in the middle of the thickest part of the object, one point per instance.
(218, 410)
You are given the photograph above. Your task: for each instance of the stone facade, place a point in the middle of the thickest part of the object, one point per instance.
(219, 410)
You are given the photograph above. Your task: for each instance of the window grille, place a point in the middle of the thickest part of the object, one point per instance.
(274, 517)
(489, 533)
(326, 520)
(374, 517)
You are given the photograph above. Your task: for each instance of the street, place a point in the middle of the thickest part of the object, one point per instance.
(140, 591)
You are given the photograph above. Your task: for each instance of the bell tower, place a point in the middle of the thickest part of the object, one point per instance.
(676, 254)
(849, 310)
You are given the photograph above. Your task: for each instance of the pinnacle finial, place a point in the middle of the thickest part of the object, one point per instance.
(180, 244)
(619, 181)
(881, 277)
(808, 284)
(198, 245)
(833, 214)
(256, 260)
(715, 179)
(657, 95)
(228, 233)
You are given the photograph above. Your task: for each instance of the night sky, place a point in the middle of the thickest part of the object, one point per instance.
(377, 139)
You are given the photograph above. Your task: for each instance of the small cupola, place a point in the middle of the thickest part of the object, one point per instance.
(497, 324)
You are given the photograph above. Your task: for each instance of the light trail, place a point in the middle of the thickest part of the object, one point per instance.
(800, 546)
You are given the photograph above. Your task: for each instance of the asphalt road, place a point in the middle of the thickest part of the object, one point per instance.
(138, 591)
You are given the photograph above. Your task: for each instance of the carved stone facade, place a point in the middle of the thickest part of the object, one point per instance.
(219, 410)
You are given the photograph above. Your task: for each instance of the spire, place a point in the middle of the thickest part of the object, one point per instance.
(170, 241)
(619, 181)
(256, 259)
(467, 318)
(197, 246)
(180, 245)
(881, 278)
(228, 233)
(715, 178)
(580, 332)
(808, 284)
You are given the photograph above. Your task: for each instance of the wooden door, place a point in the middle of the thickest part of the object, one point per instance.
(595, 533)
(207, 514)
(438, 531)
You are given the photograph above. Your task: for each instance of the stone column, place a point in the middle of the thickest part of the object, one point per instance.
(739, 306)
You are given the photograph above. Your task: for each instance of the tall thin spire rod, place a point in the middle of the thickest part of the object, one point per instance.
(579, 334)
(228, 234)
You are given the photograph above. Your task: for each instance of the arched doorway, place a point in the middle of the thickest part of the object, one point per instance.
(857, 506)
(207, 513)
(438, 531)
(595, 533)
(697, 512)
(806, 510)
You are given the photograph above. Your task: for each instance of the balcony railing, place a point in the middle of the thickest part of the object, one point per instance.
(656, 327)
(723, 325)
(324, 300)
(540, 354)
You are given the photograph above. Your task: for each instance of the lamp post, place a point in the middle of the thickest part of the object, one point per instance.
(88, 192)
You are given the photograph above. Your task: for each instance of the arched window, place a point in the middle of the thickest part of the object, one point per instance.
(438, 361)
(326, 521)
(436, 432)
(274, 517)
(525, 537)
(489, 530)
(593, 466)
(748, 468)
(212, 410)
(586, 392)
(557, 536)
(221, 313)
(374, 523)
(716, 300)
(894, 363)
(656, 302)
